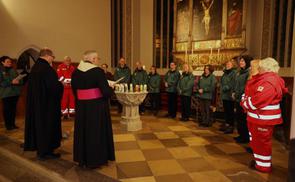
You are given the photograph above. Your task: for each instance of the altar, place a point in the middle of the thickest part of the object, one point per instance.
(130, 115)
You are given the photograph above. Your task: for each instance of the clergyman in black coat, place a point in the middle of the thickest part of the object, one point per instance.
(93, 135)
(43, 117)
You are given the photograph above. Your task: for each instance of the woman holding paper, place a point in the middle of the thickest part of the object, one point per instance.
(9, 91)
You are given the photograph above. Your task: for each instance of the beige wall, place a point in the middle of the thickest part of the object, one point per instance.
(146, 32)
(68, 27)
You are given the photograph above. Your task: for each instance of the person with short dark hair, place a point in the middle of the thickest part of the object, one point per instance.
(140, 77)
(154, 84)
(43, 116)
(122, 70)
(171, 80)
(205, 91)
(239, 89)
(10, 88)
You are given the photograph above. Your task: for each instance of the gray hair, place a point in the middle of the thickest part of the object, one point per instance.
(269, 65)
(89, 54)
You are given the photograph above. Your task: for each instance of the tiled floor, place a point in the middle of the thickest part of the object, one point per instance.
(170, 150)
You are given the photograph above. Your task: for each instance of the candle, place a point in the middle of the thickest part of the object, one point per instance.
(185, 53)
(192, 48)
(211, 51)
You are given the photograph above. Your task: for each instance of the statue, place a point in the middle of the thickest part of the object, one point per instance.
(207, 4)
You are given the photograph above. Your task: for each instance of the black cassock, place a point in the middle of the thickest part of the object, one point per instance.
(93, 135)
(43, 114)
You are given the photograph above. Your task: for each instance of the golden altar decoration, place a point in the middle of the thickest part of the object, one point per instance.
(209, 31)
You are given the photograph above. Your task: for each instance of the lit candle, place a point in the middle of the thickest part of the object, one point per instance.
(211, 51)
(192, 48)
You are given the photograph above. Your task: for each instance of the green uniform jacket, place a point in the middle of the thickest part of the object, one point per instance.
(172, 77)
(154, 83)
(185, 84)
(240, 83)
(139, 77)
(7, 89)
(208, 84)
(122, 72)
(227, 84)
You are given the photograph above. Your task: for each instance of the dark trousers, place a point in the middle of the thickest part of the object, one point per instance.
(205, 111)
(9, 111)
(172, 104)
(229, 113)
(241, 118)
(185, 106)
(155, 101)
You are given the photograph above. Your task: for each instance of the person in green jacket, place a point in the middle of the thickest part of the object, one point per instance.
(122, 71)
(205, 91)
(140, 77)
(170, 80)
(240, 83)
(227, 86)
(185, 88)
(154, 84)
(9, 91)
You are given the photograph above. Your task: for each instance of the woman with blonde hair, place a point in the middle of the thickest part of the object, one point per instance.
(261, 101)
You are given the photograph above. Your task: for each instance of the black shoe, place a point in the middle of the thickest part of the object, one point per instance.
(167, 115)
(205, 125)
(15, 127)
(224, 127)
(252, 165)
(53, 155)
(9, 128)
(237, 138)
(229, 130)
(242, 140)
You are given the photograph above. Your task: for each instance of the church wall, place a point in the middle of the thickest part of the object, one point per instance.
(68, 27)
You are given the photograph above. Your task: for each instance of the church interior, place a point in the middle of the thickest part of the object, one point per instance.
(155, 33)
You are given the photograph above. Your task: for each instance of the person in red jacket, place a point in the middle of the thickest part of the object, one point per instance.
(64, 72)
(261, 101)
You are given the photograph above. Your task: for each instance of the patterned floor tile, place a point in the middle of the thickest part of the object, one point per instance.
(178, 128)
(183, 152)
(173, 143)
(230, 148)
(166, 135)
(157, 154)
(195, 165)
(212, 176)
(174, 178)
(165, 167)
(129, 156)
(124, 138)
(140, 179)
(133, 170)
(126, 145)
(150, 144)
(195, 141)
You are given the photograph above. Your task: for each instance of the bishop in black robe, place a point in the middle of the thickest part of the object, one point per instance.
(43, 117)
(93, 136)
